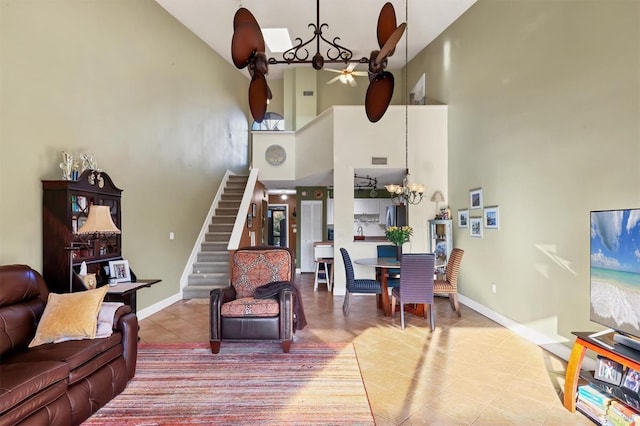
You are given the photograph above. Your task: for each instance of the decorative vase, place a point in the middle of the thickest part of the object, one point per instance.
(398, 253)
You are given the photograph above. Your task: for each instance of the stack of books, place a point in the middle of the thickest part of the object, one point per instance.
(619, 414)
(593, 403)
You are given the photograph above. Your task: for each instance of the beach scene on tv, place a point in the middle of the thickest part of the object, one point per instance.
(615, 269)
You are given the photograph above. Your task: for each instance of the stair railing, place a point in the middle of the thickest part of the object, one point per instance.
(241, 218)
(193, 257)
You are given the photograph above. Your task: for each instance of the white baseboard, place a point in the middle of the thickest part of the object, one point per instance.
(545, 342)
(157, 307)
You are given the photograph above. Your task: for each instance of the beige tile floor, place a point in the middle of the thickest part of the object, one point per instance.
(470, 371)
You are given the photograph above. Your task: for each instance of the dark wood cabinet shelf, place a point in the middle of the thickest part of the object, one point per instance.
(65, 207)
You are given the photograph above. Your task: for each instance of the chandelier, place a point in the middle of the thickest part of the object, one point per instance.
(407, 192)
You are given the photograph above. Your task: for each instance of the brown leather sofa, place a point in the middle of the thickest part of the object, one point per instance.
(56, 383)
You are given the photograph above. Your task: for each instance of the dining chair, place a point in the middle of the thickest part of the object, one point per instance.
(393, 274)
(416, 284)
(449, 285)
(363, 286)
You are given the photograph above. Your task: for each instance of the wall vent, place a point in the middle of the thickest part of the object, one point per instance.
(379, 161)
(307, 93)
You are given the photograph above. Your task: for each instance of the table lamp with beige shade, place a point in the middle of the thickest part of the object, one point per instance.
(99, 223)
(437, 197)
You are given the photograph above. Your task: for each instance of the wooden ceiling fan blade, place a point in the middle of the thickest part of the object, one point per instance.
(390, 46)
(351, 66)
(360, 73)
(244, 16)
(386, 23)
(352, 81)
(332, 70)
(378, 96)
(246, 41)
(334, 79)
(258, 95)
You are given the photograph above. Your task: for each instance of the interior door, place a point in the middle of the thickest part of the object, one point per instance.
(310, 232)
(277, 225)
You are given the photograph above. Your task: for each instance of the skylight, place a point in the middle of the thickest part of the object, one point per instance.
(277, 39)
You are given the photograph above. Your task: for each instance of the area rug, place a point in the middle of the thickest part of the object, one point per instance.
(245, 383)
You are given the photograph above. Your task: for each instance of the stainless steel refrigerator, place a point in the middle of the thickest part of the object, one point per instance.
(396, 216)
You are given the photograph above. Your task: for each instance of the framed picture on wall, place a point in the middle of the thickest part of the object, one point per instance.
(492, 217)
(249, 221)
(475, 198)
(254, 209)
(463, 218)
(475, 227)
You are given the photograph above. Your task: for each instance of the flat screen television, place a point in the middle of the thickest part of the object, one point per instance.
(615, 273)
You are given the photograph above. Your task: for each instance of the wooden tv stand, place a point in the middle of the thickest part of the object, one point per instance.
(616, 352)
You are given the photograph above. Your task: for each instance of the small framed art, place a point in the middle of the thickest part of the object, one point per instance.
(631, 381)
(608, 371)
(463, 218)
(249, 221)
(492, 217)
(475, 227)
(254, 210)
(475, 198)
(119, 271)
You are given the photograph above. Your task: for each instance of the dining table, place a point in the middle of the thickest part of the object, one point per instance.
(384, 264)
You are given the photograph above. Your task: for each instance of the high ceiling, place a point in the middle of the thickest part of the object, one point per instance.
(353, 21)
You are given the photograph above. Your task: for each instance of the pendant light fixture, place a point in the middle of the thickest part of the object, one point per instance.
(408, 192)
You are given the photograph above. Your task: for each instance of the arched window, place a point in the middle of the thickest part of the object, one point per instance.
(272, 121)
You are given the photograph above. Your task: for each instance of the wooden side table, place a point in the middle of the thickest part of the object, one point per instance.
(126, 292)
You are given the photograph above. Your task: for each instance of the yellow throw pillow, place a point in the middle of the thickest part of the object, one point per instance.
(70, 316)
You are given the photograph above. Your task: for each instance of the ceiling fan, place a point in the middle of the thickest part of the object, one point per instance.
(347, 75)
(248, 50)
(381, 82)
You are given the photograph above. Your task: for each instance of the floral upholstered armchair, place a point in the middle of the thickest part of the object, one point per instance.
(261, 303)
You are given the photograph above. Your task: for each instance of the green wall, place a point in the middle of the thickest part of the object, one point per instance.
(164, 115)
(544, 114)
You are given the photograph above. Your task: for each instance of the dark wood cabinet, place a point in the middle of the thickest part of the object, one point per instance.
(65, 207)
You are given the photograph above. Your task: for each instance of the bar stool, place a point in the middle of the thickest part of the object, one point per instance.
(326, 264)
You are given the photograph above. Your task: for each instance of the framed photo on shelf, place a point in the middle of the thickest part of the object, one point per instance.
(492, 217)
(475, 198)
(608, 370)
(119, 271)
(631, 381)
(475, 227)
(463, 218)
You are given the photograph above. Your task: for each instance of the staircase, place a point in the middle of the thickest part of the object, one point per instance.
(211, 269)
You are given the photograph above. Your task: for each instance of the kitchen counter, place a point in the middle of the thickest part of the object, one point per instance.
(372, 240)
(323, 250)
